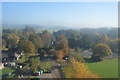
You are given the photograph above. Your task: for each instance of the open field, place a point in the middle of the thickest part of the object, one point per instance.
(105, 69)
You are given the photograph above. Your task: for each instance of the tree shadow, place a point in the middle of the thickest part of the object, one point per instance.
(92, 60)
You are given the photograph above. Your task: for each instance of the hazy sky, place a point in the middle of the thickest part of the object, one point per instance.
(68, 14)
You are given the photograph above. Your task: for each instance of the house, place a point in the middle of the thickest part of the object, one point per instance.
(1, 66)
(17, 56)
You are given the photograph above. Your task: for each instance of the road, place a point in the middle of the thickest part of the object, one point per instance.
(56, 72)
(85, 53)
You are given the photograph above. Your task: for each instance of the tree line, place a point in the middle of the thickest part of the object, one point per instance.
(59, 44)
(30, 42)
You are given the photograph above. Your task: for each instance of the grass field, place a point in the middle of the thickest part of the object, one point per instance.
(105, 69)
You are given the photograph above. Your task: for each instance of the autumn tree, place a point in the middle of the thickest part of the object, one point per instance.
(86, 41)
(73, 42)
(4, 43)
(114, 45)
(78, 70)
(11, 40)
(104, 39)
(62, 44)
(36, 40)
(100, 51)
(26, 46)
(78, 57)
(61, 47)
(47, 38)
(96, 38)
(59, 54)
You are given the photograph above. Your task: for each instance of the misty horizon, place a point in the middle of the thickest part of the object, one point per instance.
(65, 14)
(47, 26)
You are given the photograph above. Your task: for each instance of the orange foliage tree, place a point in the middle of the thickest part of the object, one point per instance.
(78, 70)
(59, 54)
(61, 47)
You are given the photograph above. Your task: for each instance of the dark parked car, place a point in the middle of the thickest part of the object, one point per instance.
(65, 57)
(36, 78)
(35, 74)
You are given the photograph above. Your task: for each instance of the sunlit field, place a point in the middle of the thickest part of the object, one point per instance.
(105, 69)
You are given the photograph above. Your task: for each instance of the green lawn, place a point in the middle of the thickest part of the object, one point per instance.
(8, 70)
(105, 69)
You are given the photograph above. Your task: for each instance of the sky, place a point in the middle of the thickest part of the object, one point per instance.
(67, 14)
